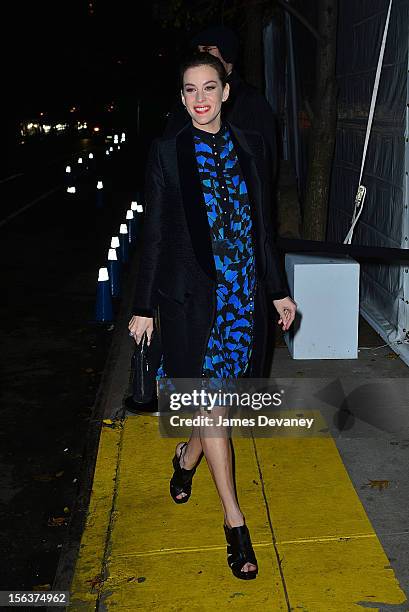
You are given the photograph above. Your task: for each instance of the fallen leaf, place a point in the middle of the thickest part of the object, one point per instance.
(378, 484)
(58, 474)
(42, 587)
(43, 477)
(57, 521)
(118, 424)
(97, 581)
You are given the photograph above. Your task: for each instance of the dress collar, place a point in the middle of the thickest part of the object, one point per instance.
(208, 137)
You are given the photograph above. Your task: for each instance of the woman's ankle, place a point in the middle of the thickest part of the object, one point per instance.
(234, 519)
(186, 461)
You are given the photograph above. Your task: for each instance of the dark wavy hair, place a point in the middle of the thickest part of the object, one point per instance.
(202, 59)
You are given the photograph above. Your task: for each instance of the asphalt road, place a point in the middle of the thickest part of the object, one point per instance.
(53, 352)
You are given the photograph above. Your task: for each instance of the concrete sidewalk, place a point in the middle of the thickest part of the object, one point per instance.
(327, 515)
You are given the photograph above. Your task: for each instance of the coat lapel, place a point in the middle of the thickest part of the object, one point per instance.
(193, 202)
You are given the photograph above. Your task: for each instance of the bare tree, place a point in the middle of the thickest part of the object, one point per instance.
(322, 137)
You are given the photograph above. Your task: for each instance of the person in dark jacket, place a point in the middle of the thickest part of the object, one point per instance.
(208, 264)
(246, 107)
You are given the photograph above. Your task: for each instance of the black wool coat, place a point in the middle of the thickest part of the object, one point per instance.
(176, 269)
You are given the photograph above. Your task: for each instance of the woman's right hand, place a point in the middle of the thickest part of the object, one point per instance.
(138, 326)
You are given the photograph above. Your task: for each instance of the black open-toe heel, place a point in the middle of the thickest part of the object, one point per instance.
(240, 551)
(181, 481)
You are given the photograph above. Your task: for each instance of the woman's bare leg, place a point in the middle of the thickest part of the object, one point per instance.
(218, 453)
(217, 449)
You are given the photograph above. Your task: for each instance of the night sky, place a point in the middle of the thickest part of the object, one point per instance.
(66, 53)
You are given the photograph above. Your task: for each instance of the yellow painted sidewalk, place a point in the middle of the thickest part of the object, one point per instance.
(316, 549)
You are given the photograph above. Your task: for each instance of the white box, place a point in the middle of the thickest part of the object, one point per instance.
(326, 290)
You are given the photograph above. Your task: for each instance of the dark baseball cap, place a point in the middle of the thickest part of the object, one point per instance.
(221, 37)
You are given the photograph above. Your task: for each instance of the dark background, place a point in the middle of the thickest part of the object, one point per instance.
(88, 55)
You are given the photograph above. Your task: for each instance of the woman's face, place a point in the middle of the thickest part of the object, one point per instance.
(203, 94)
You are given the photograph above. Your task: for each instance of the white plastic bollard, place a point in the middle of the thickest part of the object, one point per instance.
(124, 242)
(69, 180)
(103, 275)
(131, 225)
(114, 273)
(115, 244)
(103, 311)
(100, 195)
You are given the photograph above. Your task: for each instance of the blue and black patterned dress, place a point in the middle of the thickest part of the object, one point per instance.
(228, 212)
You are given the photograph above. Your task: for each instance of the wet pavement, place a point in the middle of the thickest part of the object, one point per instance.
(53, 352)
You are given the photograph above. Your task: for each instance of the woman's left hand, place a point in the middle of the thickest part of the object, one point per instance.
(286, 308)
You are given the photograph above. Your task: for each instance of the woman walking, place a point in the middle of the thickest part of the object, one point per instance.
(208, 262)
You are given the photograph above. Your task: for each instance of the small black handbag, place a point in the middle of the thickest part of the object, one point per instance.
(146, 361)
(144, 364)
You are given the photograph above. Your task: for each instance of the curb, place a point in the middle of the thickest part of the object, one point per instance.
(108, 405)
